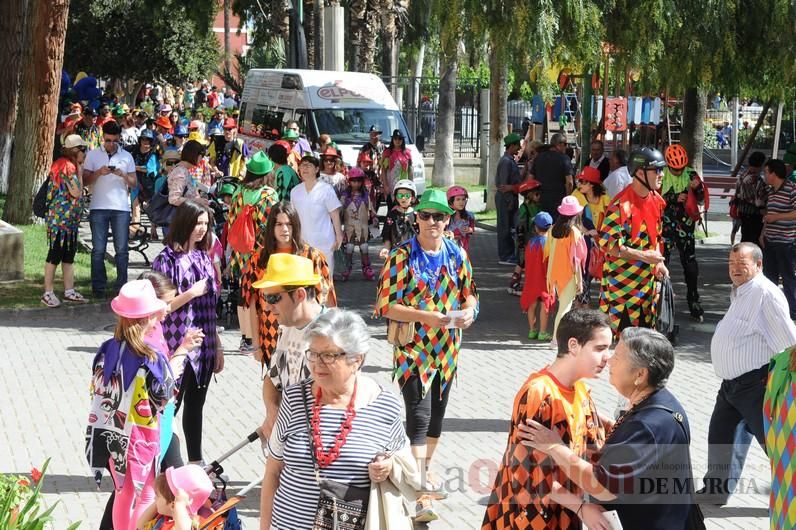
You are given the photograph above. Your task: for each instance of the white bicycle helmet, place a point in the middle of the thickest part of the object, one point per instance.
(405, 184)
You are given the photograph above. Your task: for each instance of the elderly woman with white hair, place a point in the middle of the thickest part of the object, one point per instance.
(354, 427)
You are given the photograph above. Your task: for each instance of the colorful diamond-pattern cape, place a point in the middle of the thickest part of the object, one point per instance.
(518, 500)
(779, 421)
(268, 327)
(628, 287)
(63, 214)
(406, 279)
(262, 207)
(185, 269)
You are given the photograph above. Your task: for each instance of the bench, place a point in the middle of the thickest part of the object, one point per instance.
(721, 186)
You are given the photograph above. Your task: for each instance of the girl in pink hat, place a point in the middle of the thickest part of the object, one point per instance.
(181, 493)
(565, 251)
(131, 385)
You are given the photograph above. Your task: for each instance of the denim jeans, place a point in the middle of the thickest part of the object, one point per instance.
(779, 260)
(119, 223)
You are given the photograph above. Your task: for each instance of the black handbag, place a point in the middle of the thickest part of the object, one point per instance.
(340, 506)
(159, 210)
(40, 203)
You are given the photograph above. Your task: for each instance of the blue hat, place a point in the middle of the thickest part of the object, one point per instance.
(543, 220)
(181, 131)
(148, 134)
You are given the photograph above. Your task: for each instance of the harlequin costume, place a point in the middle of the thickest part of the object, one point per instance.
(779, 422)
(262, 198)
(396, 164)
(629, 287)
(63, 214)
(268, 327)
(519, 497)
(428, 282)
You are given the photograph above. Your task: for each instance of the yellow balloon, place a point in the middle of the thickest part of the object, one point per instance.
(79, 76)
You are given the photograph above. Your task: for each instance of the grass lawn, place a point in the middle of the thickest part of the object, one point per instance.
(487, 216)
(472, 188)
(27, 293)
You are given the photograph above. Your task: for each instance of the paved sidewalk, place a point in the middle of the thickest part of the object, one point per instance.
(47, 358)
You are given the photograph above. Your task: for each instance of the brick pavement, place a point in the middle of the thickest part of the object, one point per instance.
(47, 356)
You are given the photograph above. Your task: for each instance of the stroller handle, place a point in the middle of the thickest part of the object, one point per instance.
(237, 447)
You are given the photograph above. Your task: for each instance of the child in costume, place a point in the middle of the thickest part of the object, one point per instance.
(131, 385)
(535, 288)
(462, 222)
(400, 223)
(375, 191)
(565, 251)
(357, 218)
(531, 192)
(181, 492)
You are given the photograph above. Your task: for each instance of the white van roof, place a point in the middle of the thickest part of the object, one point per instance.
(321, 89)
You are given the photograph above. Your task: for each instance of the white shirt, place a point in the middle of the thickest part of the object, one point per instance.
(315, 209)
(756, 327)
(109, 192)
(616, 181)
(229, 103)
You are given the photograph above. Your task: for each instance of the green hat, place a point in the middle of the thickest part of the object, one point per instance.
(290, 134)
(512, 138)
(259, 164)
(434, 200)
(119, 111)
(790, 155)
(227, 189)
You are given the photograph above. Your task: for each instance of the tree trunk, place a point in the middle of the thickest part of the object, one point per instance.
(38, 105)
(498, 119)
(693, 133)
(227, 45)
(370, 33)
(443, 137)
(357, 11)
(12, 19)
(388, 42)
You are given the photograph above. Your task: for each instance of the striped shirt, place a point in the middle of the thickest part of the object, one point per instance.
(756, 327)
(377, 427)
(780, 201)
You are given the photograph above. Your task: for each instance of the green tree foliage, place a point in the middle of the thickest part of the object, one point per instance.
(169, 40)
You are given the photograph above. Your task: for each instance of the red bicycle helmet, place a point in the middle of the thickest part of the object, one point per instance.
(456, 191)
(676, 156)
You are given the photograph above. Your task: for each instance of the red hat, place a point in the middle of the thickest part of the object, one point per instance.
(364, 156)
(529, 185)
(194, 125)
(163, 121)
(330, 152)
(229, 123)
(590, 174)
(283, 143)
(356, 173)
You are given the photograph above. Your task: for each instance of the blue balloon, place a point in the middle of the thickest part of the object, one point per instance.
(66, 83)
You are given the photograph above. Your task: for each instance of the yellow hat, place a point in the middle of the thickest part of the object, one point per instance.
(197, 136)
(288, 270)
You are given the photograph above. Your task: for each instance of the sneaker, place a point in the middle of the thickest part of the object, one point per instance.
(510, 261)
(544, 336)
(246, 346)
(220, 329)
(73, 296)
(697, 313)
(533, 334)
(50, 300)
(424, 510)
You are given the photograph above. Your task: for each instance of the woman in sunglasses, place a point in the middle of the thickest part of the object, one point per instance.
(427, 281)
(64, 201)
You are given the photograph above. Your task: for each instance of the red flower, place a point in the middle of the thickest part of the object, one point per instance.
(35, 474)
(23, 482)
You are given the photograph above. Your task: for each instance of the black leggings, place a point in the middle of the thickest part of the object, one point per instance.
(192, 399)
(424, 415)
(62, 249)
(171, 458)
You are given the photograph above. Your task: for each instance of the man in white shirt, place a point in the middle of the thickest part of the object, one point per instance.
(756, 327)
(619, 178)
(110, 170)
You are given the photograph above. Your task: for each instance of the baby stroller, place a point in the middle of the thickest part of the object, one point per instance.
(221, 512)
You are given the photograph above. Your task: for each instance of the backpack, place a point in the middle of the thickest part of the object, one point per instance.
(241, 236)
(40, 203)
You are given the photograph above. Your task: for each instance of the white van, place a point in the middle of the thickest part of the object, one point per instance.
(341, 104)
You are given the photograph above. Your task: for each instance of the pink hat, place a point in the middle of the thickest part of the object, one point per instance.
(137, 299)
(193, 480)
(569, 206)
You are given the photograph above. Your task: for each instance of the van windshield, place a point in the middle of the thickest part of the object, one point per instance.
(350, 126)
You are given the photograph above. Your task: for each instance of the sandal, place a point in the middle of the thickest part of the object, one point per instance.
(50, 300)
(433, 488)
(73, 296)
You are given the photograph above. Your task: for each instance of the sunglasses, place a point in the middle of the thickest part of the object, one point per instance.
(170, 163)
(657, 170)
(425, 216)
(328, 358)
(403, 196)
(82, 149)
(277, 297)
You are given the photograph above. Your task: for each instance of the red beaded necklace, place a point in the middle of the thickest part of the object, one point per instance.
(325, 459)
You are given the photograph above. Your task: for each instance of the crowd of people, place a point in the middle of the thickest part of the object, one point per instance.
(282, 228)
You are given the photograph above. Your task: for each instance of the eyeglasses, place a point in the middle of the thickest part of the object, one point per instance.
(425, 216)
(327, 357)
(277, 297)
(403, 196)
(82, 149)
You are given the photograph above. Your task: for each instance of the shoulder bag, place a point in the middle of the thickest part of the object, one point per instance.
(159, 209)
(340, 506)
